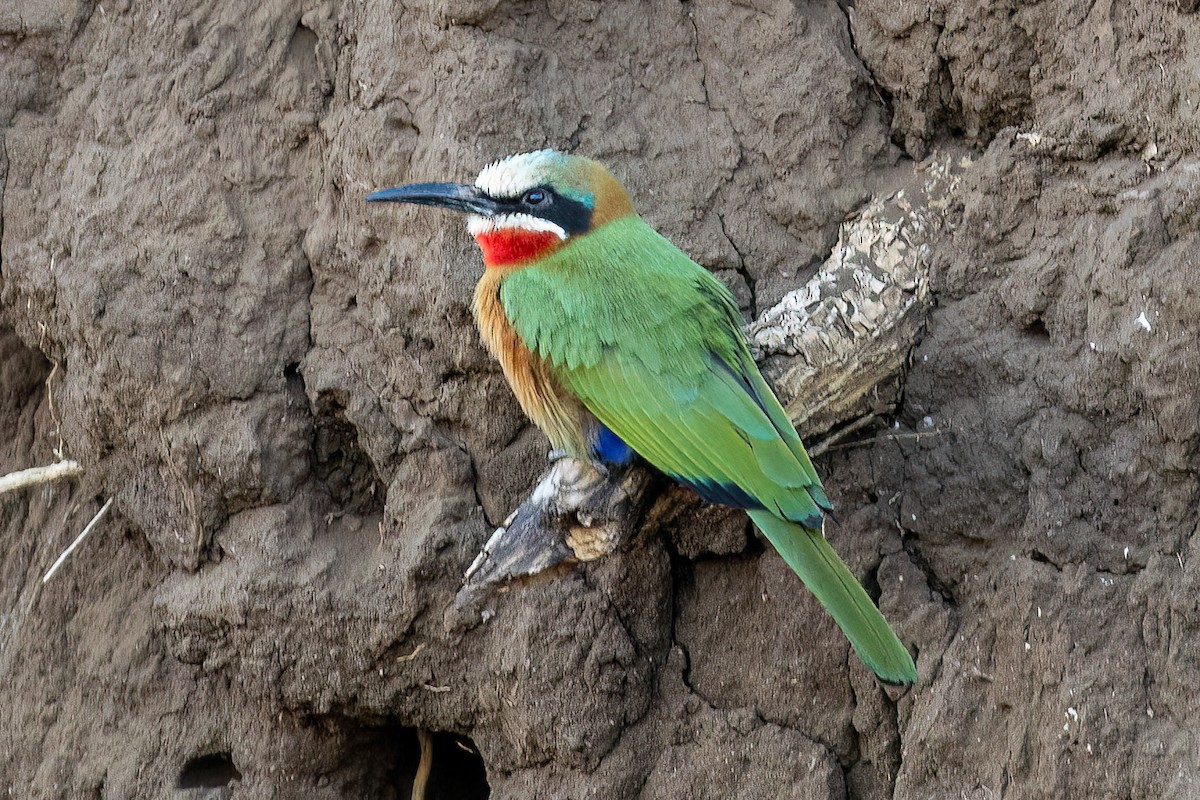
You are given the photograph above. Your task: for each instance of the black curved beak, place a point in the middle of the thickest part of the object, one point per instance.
(455, 196)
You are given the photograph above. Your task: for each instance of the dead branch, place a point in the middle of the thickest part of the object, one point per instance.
(36, 476)
(576, 513)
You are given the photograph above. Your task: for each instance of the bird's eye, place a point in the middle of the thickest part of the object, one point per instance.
(535, 197)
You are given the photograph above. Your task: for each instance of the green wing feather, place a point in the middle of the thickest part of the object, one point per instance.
(651, 344)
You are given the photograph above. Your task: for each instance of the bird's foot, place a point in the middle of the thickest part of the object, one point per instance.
(600, 467)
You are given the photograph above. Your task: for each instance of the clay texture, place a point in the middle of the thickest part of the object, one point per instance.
(283, 391)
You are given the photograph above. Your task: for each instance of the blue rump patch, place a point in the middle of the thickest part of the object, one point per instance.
(726, 494)
(608, 448)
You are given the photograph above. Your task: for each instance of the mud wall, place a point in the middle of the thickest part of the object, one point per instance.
(283, 391)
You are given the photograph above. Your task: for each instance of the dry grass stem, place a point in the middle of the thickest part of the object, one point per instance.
(66, 553)
(416, 652)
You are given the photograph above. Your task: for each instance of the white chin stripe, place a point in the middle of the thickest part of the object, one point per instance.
(479, 225)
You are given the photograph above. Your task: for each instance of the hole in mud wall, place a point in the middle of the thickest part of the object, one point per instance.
(23, 373)
(456, 769)
(210, 771)
(392, 762)
(339, 461)
(1037, 329)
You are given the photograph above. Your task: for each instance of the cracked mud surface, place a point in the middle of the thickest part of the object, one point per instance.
(284, 392)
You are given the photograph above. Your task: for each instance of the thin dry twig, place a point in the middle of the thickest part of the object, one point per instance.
(39, 475)
(425, 766)
(54, 567)
(915, 436)
(833, 441)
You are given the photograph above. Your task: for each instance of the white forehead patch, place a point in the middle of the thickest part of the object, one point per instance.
(479, 225)
(512, 176)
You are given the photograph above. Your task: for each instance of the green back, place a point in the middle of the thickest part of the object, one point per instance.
(652, 345)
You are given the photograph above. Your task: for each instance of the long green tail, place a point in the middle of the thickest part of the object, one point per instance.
(827, 577)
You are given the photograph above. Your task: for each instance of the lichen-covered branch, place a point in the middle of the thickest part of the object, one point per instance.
(834, 349)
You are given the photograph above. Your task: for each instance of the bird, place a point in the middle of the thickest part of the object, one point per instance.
(620, 347)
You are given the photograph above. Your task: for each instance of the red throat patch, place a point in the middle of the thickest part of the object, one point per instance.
(505, 246)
